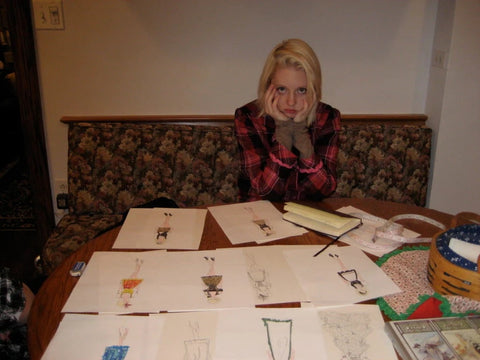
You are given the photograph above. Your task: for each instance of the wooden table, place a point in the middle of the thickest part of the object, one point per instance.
(45, 315)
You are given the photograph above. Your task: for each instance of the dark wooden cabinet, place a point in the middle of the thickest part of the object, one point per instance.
(19, 48)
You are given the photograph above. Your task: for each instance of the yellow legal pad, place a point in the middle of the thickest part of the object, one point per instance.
(328, 223)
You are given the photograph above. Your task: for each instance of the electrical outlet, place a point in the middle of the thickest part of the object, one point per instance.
(62, 201)
(60, 193)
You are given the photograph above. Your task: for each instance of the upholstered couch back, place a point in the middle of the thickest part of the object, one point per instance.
(114, 166)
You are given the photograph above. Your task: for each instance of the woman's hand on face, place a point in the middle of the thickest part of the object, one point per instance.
(271, 104)
(302, 114)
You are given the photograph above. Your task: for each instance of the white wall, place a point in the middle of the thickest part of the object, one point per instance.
(456, 180)
(438, 72)
(204, 57)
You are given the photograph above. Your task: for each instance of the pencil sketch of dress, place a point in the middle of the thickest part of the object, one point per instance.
(279, 337)
(117, 352)
(197, 348)
(349, 333)
(258, 276)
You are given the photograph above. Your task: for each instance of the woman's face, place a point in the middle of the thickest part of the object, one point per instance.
(291, 89)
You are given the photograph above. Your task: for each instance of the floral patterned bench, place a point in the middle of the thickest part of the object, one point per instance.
(116, 165)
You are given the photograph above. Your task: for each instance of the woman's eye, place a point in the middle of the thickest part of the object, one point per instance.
(281, 90)
(302, 91)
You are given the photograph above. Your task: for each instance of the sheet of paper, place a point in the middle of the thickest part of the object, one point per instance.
(362, 237)
(205, 280)
(187, 336)
(161, 228)
(259, 334)
(320, 279)
(269, 274)
(118, 282)
(256, 221)
(80, 337)
(355, 332)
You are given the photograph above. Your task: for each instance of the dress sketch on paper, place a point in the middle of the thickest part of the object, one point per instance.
(349, 276)
(162, 231)
(259, 278)
(117, 352)
(260, 222)
(129, 286)
(197, 348)
(349, 333)
(212, 280)
(279, 338)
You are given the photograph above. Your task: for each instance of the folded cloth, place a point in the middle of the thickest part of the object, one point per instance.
(465, 249)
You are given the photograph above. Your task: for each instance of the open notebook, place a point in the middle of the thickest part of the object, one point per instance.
(325, 222)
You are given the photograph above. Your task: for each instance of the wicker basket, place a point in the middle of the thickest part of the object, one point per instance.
(449, 278)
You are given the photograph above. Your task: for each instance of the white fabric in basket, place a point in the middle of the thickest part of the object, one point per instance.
(467, 250)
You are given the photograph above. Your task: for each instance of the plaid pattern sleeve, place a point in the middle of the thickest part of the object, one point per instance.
(272, 172)
(317, 175)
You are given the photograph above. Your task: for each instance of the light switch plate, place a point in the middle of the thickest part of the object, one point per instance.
(48, 14)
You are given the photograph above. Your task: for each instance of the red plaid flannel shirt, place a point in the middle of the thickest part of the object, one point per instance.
(270, 171)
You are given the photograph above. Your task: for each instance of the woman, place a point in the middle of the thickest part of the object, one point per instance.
(288, 138)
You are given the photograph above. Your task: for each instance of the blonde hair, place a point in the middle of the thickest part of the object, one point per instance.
(296, 53)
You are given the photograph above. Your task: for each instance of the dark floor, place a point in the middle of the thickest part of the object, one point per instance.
(18, 234)
(18, 254)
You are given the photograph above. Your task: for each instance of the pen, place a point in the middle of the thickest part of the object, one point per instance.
(325, 247)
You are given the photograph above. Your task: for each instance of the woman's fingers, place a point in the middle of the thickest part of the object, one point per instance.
(269, 98)
(302, 114)
(271, 104)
